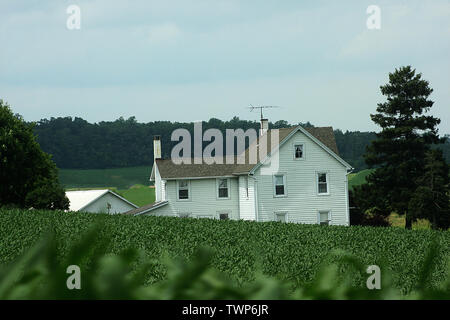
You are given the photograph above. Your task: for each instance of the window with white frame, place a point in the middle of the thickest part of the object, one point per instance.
(183, 190)
(279, 185)
(322, 183)
(298, 151)
(324, 218)
(223, 188)
(281, 216)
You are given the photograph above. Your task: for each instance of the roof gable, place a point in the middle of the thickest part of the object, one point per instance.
(80, 199)
(324, 136)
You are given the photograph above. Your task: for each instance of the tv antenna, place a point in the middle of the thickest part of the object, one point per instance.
(252, 107)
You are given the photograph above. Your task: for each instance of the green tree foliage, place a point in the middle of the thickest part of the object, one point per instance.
(431, 198)
(352, 145)
(28, 176)
(367, 207)
(398, 152)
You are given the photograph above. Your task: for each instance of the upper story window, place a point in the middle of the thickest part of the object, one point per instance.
(280, 185)
(183, 190)
(223, 188)
(298, 151)
(322, 183)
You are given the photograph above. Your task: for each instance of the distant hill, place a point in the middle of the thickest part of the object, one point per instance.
(120, 178)
(358, 178)
(75, 143)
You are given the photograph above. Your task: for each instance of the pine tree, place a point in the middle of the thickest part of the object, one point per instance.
(431, 200)
(398, 152)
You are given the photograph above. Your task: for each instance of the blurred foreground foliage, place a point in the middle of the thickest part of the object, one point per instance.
(39, 274)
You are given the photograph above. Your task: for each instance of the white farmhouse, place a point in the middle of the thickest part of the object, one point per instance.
(309, 186)
(98, 201)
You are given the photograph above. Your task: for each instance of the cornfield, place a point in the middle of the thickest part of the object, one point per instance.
(122, 257)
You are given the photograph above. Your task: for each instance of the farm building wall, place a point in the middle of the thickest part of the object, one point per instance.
(100, 205)
(302, 202)
(203, 200)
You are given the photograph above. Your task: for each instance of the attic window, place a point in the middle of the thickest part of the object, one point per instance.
(298, 151)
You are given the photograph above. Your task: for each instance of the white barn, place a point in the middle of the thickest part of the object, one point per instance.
(309, 186)
(98, 201)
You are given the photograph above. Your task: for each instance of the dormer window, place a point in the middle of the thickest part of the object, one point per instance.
(298, 151)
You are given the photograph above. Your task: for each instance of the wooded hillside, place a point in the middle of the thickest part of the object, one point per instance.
(75, 143)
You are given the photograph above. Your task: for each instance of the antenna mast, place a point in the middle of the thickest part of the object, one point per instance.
(251, 107)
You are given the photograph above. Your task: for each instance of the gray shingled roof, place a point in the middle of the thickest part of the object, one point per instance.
(146, 208)
(170, 170)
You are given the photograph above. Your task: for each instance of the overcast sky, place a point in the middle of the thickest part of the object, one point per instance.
(194, 60)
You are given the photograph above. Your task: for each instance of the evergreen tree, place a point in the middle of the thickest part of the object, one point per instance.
(398, 152)
(431, 199)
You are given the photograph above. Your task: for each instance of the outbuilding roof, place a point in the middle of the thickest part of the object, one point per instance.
(147, 208)
(80, 199)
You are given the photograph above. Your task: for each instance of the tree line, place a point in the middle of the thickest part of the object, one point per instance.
(75, 143)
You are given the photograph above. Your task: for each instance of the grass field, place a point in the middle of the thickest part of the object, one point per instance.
(139, 194)
(120, 178)
(290, 252)
(358, 178)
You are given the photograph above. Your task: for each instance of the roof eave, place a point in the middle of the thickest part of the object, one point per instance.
(163, 203)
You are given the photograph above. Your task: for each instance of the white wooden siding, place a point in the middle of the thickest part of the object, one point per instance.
(302, 202)
(203, 200)
(246, 203)
(158, 184)
(100, 205)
